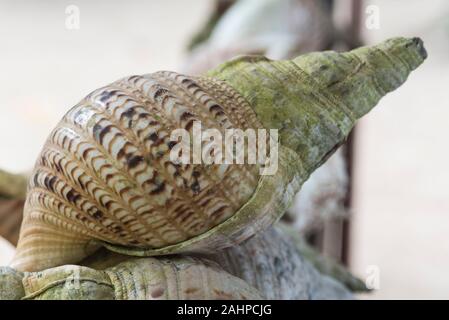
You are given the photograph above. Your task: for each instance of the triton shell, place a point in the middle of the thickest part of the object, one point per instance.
(104, 176)
(176, 278)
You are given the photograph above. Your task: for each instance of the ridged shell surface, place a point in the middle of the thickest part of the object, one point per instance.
(140, 279)
(104, 176)
(105, 171)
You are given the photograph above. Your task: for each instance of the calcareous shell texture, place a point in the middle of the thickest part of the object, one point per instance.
(104, 176)
(176, 278)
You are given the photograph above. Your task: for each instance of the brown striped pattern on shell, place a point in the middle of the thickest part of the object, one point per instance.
(105, 172)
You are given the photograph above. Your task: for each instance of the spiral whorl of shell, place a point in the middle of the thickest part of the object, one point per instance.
(105, 171)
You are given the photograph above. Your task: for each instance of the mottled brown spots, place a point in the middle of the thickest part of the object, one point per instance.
(189, 124)
(85, 153)
(153, 137)
(216, 108)
(171, 144)
(186, 115)
(187, 81)
(159, 93)
(134, 78)
(157, 293)
(117, 229)
(222, 294)
(97, 214)
(196, 174)
(72, 196)
(121, 154)
(129, 113)
(191, 290)
(159, 188)
(50, 182)
(99, 132)
(205, 202)
(109, 176)
(58, 165)
(134, 161)
(106, 95)
(195, 186)
(186, 215)
(183, 213)
(218, 212)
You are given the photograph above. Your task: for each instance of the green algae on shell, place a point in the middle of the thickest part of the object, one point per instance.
(172, 278)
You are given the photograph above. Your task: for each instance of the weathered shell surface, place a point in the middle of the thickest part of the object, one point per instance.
(179, 278)
(272, 263)
(105, 172)
(104, 177)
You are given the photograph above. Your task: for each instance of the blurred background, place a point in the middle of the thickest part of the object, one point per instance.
(396, 190)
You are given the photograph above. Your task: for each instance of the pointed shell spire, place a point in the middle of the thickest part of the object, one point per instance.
(104, 177)
(316, 98)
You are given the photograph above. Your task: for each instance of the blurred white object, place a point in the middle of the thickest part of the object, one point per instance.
(6, 252)
(322, 195)
(278, 29)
